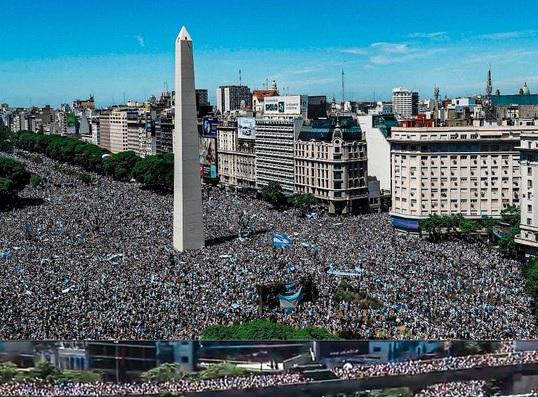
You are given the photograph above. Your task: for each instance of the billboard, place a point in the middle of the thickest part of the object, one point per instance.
(209, 126)
(207, 156)
(285, 105)
(246, 128)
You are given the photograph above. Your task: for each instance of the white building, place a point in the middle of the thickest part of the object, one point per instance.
(276, 132)
(528, 150)
(377, 129)
(404, 102)
(119, 137)
(473, 171)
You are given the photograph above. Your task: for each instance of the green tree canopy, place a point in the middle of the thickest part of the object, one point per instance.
(262, 329)
(156, 172)
(164, 373)
(13, 176)
(303, 202)
(8, 372)
(272, 193)
(121, 165)
(221, 370)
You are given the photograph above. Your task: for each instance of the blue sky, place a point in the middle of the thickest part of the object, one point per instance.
(55, 51)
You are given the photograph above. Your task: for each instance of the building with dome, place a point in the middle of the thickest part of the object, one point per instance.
(331, 163)
(518, 109)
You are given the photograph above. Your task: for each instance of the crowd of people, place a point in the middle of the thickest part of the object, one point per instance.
(96, 261)
(414, 367)
(473, 388)
(178, 387)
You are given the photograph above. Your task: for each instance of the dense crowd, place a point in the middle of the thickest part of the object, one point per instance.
(96, 261)
(148, 388)
(413, 367)
(473, 388)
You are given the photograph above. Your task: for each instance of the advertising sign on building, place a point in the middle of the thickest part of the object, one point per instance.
(292, 105)
(246, 128)
(209, 126)
(208, 157)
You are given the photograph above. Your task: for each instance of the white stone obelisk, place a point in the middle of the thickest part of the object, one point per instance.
(188, 224)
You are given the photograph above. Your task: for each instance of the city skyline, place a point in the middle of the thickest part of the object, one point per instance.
(97, 49)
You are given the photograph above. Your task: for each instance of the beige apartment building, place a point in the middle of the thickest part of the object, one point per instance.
(528, 150)
(104, 129)
(237, 157)
(472, 171)
(331, 164)
(119, 138)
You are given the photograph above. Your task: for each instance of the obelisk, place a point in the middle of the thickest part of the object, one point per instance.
(188, 225)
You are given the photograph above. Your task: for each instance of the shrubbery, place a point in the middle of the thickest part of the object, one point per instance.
(13, 176)
(265, 330)
(45, 372)
(154, 172)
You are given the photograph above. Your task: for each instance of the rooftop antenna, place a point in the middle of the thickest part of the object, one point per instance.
(266, 83)
(342, 85)
(124, 98)
(239, 76)
(374, 94)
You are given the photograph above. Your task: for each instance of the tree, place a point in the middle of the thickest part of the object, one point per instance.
(511, 215)
(468, 226)
(164, 373)
(46, 371)
(78, 376)
(121, 165)
(262, 329)
(13, 176)
(156, 172)
(222, 370)
(531, 277)
(8, 372)
(304, 202)
(272, 193)
(507, 243)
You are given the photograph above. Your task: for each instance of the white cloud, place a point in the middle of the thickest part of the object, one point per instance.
(399, 48)
(355, 51)
(516, 34)
(140, 40)
(431, 35)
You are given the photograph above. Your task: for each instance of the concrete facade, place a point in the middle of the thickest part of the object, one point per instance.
(274, 151)
(528, 150)
(332, 165)
(473, 171)
(188, 224)
(237, 157)
(377, 129)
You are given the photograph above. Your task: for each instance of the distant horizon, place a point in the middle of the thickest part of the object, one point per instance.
(97, 49)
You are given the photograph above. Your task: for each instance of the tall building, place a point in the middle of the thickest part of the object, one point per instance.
(404, 102)
(528, 150)
(229, 98)
(473, 171)
(104, 129)
(164, 131)
(236, 153)
(276, 131)
(330, 163)
(317, 107)
(119, 137)
(201, 97)
(188, 226)
(377, 128)
(141, 133)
